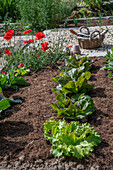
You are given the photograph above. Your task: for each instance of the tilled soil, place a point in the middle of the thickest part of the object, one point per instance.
(22, 142)
(87, 23)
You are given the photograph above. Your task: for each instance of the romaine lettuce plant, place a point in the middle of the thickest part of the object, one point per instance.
(72, 139)
(76, 61)
(75, 107)
(11, 81)
(70, 87)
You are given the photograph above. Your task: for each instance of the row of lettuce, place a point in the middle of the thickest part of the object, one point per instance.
(74, 138)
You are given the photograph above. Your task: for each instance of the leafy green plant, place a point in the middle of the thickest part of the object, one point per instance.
(76, 107)
(70, 87)
(93, 3)
(109, 62)
(72, 139)
(8, 10)
(76, 61)
(100, 17)
(21, 71)
(9, 80)
(75, 21)
(71, 84)
(83, 12)
(40, 15)
(6, 102)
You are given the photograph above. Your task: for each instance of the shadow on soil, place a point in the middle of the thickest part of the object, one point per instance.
(10, 148)
(97, 92)
(10, 129)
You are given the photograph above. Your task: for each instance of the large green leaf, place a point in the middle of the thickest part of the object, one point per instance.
(62, 81)
(4, 104)
(10, 81)
(70, 87)
(19, 81)
(55, 79)
(0, 89)
(78, 107)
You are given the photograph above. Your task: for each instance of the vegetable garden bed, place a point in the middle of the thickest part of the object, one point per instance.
(22, 130)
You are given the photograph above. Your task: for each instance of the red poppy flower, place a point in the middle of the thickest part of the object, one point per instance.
(7, 36)
(69, 46)
(28, 31)
(3, 72)
(44, 46)
(39, 35)
(11, 32)
(26, 41)
(7, 52)
(31, 40)
(38, 55)
(20, 65)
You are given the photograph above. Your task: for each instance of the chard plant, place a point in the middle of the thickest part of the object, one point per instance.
(73, 87)
(76, 61)
(72, 139)
(5, 103)
(76, 107)
(109, 62)
(9, 80)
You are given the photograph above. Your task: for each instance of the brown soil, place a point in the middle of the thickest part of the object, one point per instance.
(21, 126)
(89, 23)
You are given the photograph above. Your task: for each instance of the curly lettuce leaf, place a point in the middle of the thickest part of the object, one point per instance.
(72, 139)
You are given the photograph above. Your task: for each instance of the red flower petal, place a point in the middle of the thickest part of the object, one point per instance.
(26, 41)
(7, 36)
(20, 65)
(44, 46)
(31, 40)
(39, 35)
(27, 31)
(7, 52)
(11, 32)
(3, 72)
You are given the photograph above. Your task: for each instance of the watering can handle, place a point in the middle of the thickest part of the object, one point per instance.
(93, 35)
(80, 29)
(72, 31)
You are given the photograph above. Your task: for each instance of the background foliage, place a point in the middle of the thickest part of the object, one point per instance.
(8, 10)
(44, 14)
(38, 14)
